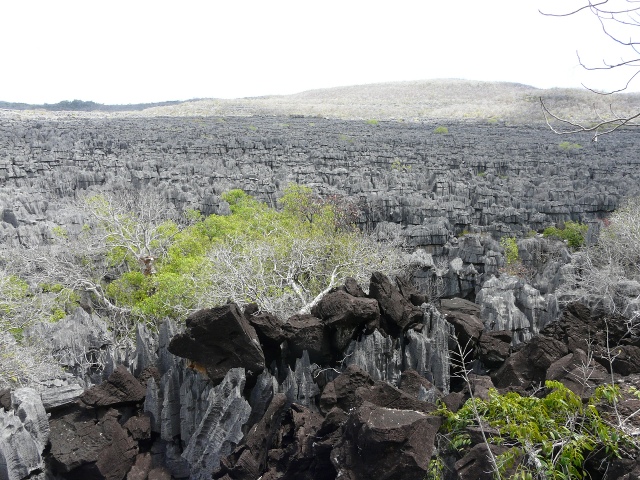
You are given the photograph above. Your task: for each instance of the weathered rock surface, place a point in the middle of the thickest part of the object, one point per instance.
(397, 312)
(80, 342)
(497, 179)
(509, 303)
(362, 410)
(120, 387)
(385, 443)
(219, 339)
(221, 427)
(90, 447)
(24, 434)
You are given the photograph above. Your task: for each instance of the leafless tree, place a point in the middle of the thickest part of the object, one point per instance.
(286, 275)
(620, 23)
(608, 273)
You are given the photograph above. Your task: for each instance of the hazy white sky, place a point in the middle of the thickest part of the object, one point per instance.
(137, 51)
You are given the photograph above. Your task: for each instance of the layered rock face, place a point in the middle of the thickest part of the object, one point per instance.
(485, 177)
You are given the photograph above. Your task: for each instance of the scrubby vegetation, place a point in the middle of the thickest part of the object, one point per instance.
(572, 232)
(136, 259)
(510, 249)
(138, 256)
(608, 273)
(552, 437)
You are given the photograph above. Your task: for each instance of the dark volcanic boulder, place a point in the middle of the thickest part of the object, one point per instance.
(410, 292)
(385, 443)
(341, 392)
(494, 348)
(388, 396)
(83, 447)
(530, 363)
(121, 387)
(352, 288)
(593, 330)
(219, 339)
(398, 313)
(306, 332)
(270, 333)
(414, 384)
(345, 314)
(464, 316)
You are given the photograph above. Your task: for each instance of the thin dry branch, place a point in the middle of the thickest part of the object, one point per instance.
(616, 23)
(604, 127)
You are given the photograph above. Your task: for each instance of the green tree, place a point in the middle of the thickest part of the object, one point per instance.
(283, 260)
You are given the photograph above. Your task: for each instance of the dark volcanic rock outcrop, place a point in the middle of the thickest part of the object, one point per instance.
(366, 409)
(218, 339)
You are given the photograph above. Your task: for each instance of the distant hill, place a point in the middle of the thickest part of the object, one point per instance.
(402, 101)
(82, 106)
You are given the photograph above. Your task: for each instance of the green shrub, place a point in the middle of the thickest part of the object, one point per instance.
(569, 146)
(510, 249)
(573, 233)
(400, 166)
(373, 122)
(556, 433)
(441, 130)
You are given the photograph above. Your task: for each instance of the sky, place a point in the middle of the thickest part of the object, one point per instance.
(138, 51)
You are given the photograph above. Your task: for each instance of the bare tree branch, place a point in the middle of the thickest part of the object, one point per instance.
(620, 22)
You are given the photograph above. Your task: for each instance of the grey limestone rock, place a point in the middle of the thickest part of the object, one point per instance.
(20, 454)
(427, 348)
(508, 303)
(57, 393)
(81, 343)
(24, 434)
(498, 180)
(27, 404)
(145, 354)
(194, 395)
(378, 355)
(221, 427)
(299, 385)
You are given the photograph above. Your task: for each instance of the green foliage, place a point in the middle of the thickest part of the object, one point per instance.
(373, 122)
(59, 232)
(399, 166)
(510, 249)
(280, 259)
(436, 469)
(557, 432)
(13, 291)
(482, 174)
(441, 130)
(573, 233)
(569, 146)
